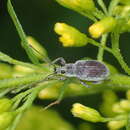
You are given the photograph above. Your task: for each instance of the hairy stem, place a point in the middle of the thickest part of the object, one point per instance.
(101, 49)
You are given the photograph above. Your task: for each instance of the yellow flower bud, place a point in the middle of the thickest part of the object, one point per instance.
(115, 125)
(70, 36)
(5, 105)
(86, 113)
(78, 5)
(36, 45)
(51, 92)
(117, 108)
(5, 119)
(104, 26)
(125, 105)
(5, 71)
(21, 70)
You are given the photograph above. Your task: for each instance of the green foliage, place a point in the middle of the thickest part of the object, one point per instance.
(29, 80)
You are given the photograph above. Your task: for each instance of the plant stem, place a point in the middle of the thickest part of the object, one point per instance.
(10, 60)
(31, 97)
(17, 82)
(4, 92)
(102, 5)
(120, 59)
(117, 118)
(95, 43)
(116, 51)
(101, 49)
(128, 122)
(98, 14)
(15, 122)
(21, 33)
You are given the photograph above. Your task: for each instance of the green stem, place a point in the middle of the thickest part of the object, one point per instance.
(101, 49)
(17, 82)
(95, 43)
(116, 51)
(4, 92)
(102, 5)
(98, 14)
(120, 59)
(63, 89)
(115, 40)
(21, 33)
(29, 101)
(15, 122)
(31, 97)
(17, 99)
(117, 118)
(128, 122)
(8, 59)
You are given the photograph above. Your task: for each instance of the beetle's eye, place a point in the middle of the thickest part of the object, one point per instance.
(62, 71)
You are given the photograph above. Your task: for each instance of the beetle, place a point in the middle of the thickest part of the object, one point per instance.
(84, 70)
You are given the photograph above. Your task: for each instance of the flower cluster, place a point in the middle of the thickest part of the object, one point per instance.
(115, 112)
(105, 22)
(25, 78)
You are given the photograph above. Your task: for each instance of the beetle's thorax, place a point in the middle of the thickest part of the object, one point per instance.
(67, 70)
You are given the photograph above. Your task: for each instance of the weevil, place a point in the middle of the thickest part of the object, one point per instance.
(84, 70)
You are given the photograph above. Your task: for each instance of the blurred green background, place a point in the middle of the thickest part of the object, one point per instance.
(38, 18)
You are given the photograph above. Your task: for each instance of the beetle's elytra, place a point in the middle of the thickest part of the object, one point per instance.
(91, 70)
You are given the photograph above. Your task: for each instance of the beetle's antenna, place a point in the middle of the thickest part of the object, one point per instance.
(46, 59)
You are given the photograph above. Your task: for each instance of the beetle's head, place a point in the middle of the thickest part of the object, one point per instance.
(60, 70)
(67, 70)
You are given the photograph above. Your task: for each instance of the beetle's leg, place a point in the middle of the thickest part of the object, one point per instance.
(97, 82)
(84, 83)
(62, 92)
(59, 60)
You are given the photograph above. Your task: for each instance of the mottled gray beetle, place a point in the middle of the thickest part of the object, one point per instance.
(84, 70)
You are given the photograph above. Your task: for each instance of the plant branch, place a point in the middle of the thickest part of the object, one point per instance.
(21, 33)
(95, 43)
(101, 49)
